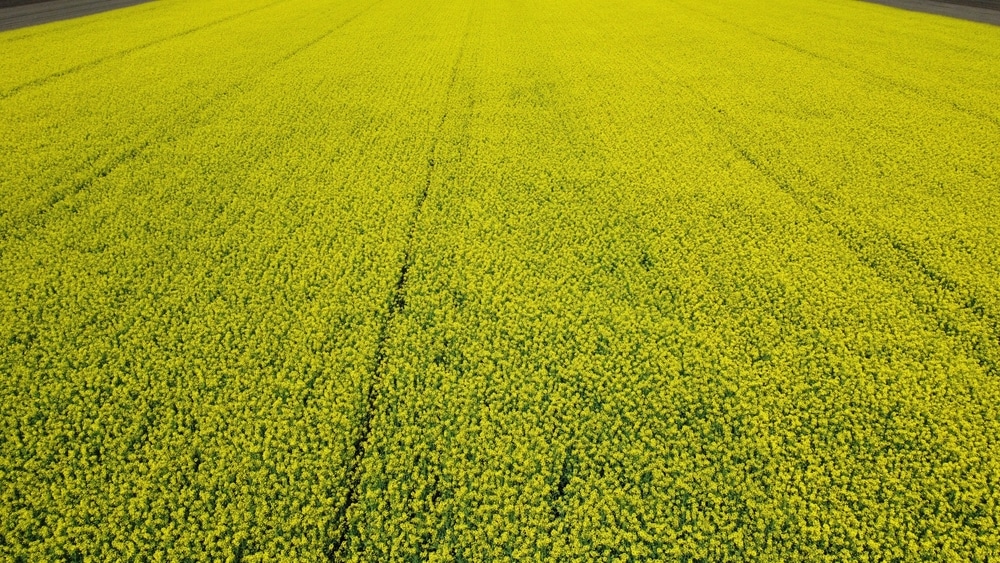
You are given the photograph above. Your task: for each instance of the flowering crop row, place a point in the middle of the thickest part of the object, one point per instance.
(479, 281)
(678, 295)
(189, 333)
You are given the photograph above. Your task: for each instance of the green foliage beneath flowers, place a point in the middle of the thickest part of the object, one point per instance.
(480, 281)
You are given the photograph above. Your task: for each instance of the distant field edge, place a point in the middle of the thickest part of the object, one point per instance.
(16, 14)
(983, 11)
(12, 3)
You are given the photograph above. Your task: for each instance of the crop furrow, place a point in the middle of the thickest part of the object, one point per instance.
(487, 280)
(126, 52)
(396, 305)
(901, 86)
(983, 348)
(15, 225)
(980, 346)
(323, 36)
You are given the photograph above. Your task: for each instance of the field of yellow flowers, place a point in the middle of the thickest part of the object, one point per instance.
(495, 280)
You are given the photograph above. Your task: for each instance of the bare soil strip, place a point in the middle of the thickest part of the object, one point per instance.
(23, 13)
(984, 11)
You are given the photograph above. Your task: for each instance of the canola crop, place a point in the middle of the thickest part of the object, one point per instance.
(379, 280)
